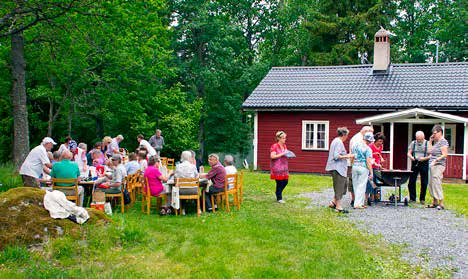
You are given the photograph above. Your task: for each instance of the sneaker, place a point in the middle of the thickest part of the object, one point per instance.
(281, 201)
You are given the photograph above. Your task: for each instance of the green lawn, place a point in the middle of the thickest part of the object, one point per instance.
(262, 240)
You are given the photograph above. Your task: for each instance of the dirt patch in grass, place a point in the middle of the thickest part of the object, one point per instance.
(25, 221)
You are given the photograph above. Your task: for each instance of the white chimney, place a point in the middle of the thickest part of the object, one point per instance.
(381, 51)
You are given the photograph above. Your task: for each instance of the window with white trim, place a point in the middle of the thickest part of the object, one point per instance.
(315, 135)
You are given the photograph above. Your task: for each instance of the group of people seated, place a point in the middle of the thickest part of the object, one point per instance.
(187, 168)
(105, 165)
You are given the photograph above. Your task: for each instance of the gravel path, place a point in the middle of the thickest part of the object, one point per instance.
(434, 239)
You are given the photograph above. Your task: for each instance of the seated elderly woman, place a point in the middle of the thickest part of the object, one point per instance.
(155, 181)
(186, 169)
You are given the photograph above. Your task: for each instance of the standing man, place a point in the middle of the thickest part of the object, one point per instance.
(68, 169)
(419, 156)
(157, 142)
(357, 138)
(114, 146)
(146, 145)
(217, 175)
(36, 163)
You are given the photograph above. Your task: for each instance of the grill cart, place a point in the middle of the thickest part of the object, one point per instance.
(395, 178)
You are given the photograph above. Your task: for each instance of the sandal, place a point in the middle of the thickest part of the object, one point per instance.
(432, 206)
(360, 207)
(332, 204)
(341, 210)
(162, 212)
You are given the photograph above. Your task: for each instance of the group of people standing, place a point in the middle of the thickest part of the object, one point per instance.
(359, 170)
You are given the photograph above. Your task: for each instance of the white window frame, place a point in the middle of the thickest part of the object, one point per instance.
(314, 144)
(452, 143)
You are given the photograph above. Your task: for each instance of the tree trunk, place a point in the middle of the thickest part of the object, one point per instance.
(50, 123)
(18, 100)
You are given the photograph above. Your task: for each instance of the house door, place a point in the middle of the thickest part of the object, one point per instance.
(400, 146)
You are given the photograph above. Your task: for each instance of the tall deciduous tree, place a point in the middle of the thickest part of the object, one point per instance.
(17, 17)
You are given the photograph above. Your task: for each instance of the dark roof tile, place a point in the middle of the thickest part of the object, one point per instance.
(407, 85)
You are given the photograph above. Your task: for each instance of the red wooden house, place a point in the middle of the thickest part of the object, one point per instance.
(309, 103)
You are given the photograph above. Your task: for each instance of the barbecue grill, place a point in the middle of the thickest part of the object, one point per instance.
(395, 178)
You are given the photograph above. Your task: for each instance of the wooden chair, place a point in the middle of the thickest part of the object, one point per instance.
(146, 198)
(132, 182)
(231, 179)
(163, 161)
(120, 196)
(188, 183)
(74, 188)
(170, 163)
(138, 185)
(116, 195)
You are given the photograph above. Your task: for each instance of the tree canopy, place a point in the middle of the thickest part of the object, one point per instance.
(94, 68)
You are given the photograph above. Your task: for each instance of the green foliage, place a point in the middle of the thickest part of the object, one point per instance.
(185, 67)
(9, 178)
(14, 254)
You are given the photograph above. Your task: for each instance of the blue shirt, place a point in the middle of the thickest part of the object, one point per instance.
(361, 152)
(132, 167)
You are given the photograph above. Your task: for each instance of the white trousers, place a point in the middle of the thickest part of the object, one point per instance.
(360, 177)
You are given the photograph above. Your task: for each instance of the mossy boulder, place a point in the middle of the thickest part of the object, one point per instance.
(25, 221)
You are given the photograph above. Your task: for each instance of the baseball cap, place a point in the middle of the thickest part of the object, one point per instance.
(369, 137)
(48, 140)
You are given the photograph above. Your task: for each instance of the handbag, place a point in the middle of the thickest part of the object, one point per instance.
(127, 199)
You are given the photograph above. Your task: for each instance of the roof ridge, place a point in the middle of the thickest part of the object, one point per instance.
(370, 65)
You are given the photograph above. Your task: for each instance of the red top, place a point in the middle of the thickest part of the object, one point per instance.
(376, 153)
(279, 167)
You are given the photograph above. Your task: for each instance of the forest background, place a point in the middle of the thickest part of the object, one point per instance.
(92, 68)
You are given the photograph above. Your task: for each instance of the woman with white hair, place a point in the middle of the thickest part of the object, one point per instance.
(362, 169)
(186, 168)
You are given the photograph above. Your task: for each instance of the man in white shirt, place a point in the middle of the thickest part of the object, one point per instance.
(230, 169)
(357, 138)
(146, 145)
(37, 162)
(114, 147)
